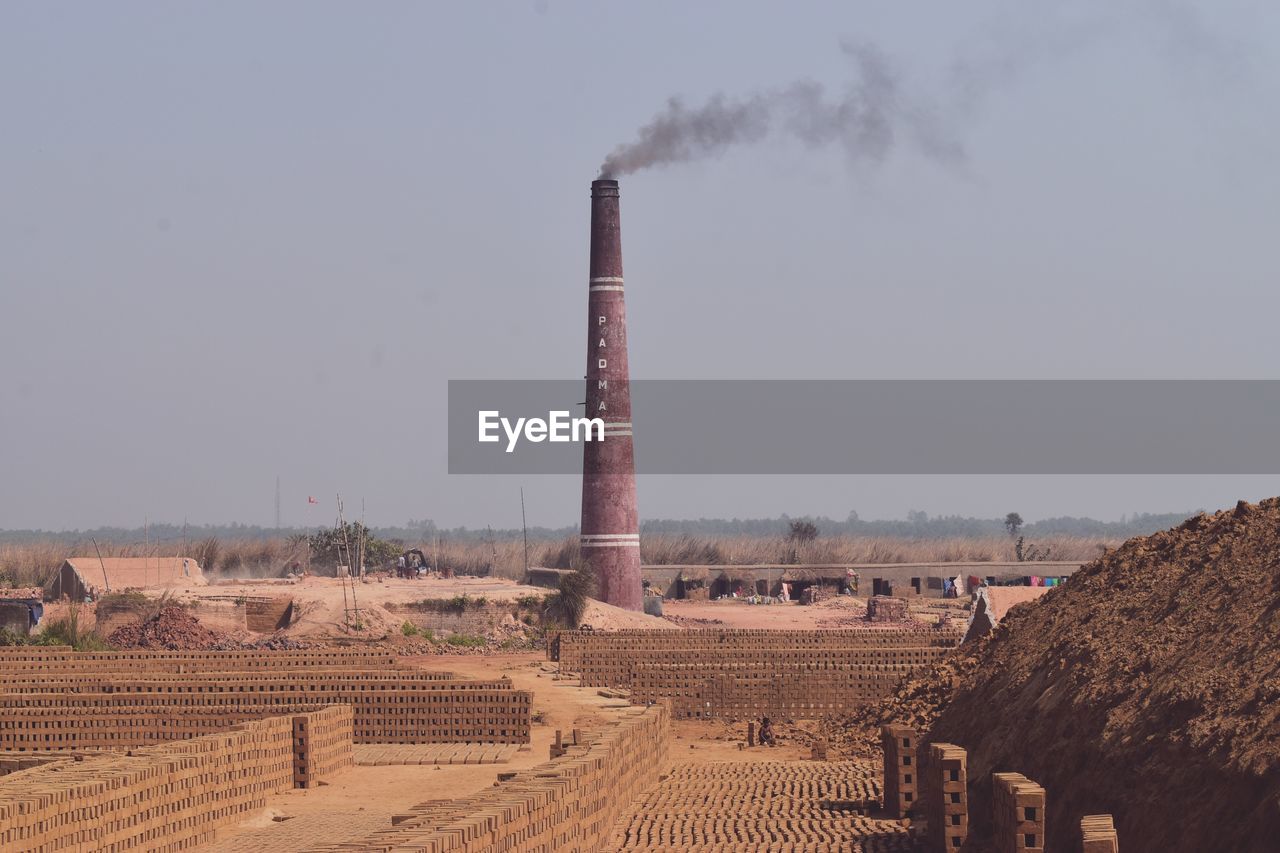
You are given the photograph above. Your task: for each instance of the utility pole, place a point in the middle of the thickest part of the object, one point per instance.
(524, 526)
(350, 568)
(277, 502)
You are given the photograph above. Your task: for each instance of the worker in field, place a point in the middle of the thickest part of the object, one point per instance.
(766, 732)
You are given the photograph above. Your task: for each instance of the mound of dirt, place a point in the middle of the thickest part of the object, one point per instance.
(1147, 687)
(605, 617)
(917, 703)
(174, 629)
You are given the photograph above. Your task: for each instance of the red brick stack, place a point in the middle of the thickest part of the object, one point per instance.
(947, 797)
(160, 798)
(1018, 818)
(1098, 834)
(901, 769)
(322, 744)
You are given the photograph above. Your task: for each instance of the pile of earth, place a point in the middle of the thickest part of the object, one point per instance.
(1147, 687)
(171, 628)
(917, 702)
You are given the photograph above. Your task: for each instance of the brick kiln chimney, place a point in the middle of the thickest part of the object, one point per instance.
(610, 523)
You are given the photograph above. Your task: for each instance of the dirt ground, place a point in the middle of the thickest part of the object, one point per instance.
(320, 602)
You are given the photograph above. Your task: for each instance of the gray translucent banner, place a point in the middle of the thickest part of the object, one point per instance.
(892, 427)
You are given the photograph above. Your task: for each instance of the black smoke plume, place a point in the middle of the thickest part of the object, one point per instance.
(870, 116)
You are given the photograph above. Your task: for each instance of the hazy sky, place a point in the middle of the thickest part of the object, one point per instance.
(242, 240)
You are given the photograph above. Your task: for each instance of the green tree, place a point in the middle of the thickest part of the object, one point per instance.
(1013, 523)
(329, 546)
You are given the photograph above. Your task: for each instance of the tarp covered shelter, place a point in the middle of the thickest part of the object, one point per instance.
(90, 577)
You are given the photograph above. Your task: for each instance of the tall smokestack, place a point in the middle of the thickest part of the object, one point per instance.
(610, 523)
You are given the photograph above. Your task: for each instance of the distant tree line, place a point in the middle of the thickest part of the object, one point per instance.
(917, 525)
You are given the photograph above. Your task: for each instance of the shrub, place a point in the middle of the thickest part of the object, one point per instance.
(65, 631)
(466, 640)
(457, 604)
(569, 604)
(408, 629)
(11, 638)
(131, 598)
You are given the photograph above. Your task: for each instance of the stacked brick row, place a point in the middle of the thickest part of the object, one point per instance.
(452, 713)
(570, 648)
(736, 691)
(38, 657)
(567, 804)
(13, 763)
(790, 806)
(947, 797)
(901, 769)
(161, 798)
(742, 673)
(322, 744)
(1017, 813)
(310, 680)
(1098, 834)
(58, 699)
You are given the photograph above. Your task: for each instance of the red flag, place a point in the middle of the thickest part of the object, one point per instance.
(312, 500)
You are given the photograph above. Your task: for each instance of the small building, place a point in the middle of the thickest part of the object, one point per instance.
(693, 582)
(991, 603)
(20, 610)
(82, 578)
(732, 580)
(705, 581)
(801, 578)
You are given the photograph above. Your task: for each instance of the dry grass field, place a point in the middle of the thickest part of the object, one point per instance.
(30, 563)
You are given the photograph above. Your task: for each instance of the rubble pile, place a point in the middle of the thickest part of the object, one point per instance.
(171, 628)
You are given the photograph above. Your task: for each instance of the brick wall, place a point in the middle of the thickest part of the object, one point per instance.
(266, 615)
(160, 798)
(567, 804)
